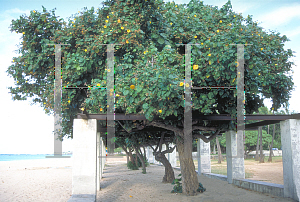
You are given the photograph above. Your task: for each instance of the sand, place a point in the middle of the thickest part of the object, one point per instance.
(36, 180)
(51, 180)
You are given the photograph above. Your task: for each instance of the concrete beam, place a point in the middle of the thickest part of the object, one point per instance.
(203, 155)
(290, 141)
(235, 155)
(84, 171)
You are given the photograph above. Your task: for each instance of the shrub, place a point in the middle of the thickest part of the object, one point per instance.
(178, 187)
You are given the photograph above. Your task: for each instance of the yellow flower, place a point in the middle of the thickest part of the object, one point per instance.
(209, 62)
(98, 84)
(195, 37)
(73, 25)
(218, 31)
(195, 15)
(160, 111)
(187, 85)
(107, 16)
(220, 21)
(117, 95)
(122, 27)
(195, 67)
(132, 86)
(128, 30)
(106, 20)
(157, 7)
(176, 6)
(13, 60)
(104, 26)
(144, 52)
(82, 109)
(127, 41)
(181, 84)
(34, 11)
(207, 76)
(258, 74)
(234, 16)
(23, 33)
(209, 54)
(69, 101)
(112, 12)
(102, 31)
(101, 109)
(150, 22)
(119, 21)
(171, 23)
(261, 49)
(85, 50)
(70, 32)
(275, 64)
(201, 43)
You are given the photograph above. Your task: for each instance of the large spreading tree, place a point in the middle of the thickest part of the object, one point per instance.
(147, 29)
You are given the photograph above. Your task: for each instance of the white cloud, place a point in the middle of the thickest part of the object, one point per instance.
(293, 32)
(17, 11)
(281, 16)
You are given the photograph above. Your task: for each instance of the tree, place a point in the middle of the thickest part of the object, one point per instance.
(251, 140)
(220, 157)
(145, 29)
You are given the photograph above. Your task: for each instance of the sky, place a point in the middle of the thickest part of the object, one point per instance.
(26, 129)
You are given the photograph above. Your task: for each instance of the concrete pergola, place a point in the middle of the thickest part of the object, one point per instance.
(89, 155)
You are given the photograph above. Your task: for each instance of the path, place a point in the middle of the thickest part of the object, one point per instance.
(121, 184)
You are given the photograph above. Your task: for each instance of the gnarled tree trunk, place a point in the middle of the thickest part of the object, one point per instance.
(188, 174)
(141, 159)
(169, 173)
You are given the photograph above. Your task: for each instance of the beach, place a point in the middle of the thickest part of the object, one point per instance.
(36, 180)
(51, 180)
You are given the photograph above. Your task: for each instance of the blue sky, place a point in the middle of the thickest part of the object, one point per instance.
(26, 129)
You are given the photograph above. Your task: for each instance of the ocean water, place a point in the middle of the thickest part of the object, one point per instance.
(16, 157)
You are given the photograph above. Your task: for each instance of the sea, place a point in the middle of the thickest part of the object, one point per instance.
(16, 157)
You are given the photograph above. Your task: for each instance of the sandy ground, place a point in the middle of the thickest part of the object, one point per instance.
(39, 180)
(51, 180)
(122, 184)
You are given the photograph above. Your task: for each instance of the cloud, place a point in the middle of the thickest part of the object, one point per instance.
(281, 16)
(293, 32)
(17, 11)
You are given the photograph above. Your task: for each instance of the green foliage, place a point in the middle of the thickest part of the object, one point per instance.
(178, 186)
(251, 140)
(132, 166)
(145, 29)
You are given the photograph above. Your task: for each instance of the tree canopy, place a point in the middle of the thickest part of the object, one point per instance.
(147, 29)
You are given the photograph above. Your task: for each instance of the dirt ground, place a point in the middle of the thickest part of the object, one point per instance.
(267, 172)
(121, 184)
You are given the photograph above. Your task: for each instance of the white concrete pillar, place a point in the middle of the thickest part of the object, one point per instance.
(290, 141)
(203, 156)
(98, 161)
(84, 169)
(172, 156)
(235, 155)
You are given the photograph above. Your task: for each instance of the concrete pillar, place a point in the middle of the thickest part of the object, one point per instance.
(84, 169)
(203, 156)
(172, 156)
(235, 155)
(99, 145)
(290, 141)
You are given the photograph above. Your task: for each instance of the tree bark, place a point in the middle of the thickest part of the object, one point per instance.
(271, 147)
(220, 158)
(141, 159)
(214, 152)
(188, 174)
(257, 146)
(261, 159)
(169, 173)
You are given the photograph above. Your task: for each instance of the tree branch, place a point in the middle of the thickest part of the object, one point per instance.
(168, 127)
(206, 140)
(204, 128)
(170, 150)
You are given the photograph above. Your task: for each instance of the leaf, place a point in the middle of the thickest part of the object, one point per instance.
(161, 40)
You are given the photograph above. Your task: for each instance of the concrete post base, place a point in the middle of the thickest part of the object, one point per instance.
(290, 141)
(84, 171)
(203, 155)
(235, 155)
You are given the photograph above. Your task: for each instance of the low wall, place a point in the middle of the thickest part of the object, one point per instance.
(263, 187)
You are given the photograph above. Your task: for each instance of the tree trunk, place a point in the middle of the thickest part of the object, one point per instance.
(136, 161)
(220, 158)
(214, 152)
(271, 147)
(257, 146)
(169, 173)
(127, 154)
(261, 159)
(188, 174)
(141, 159)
